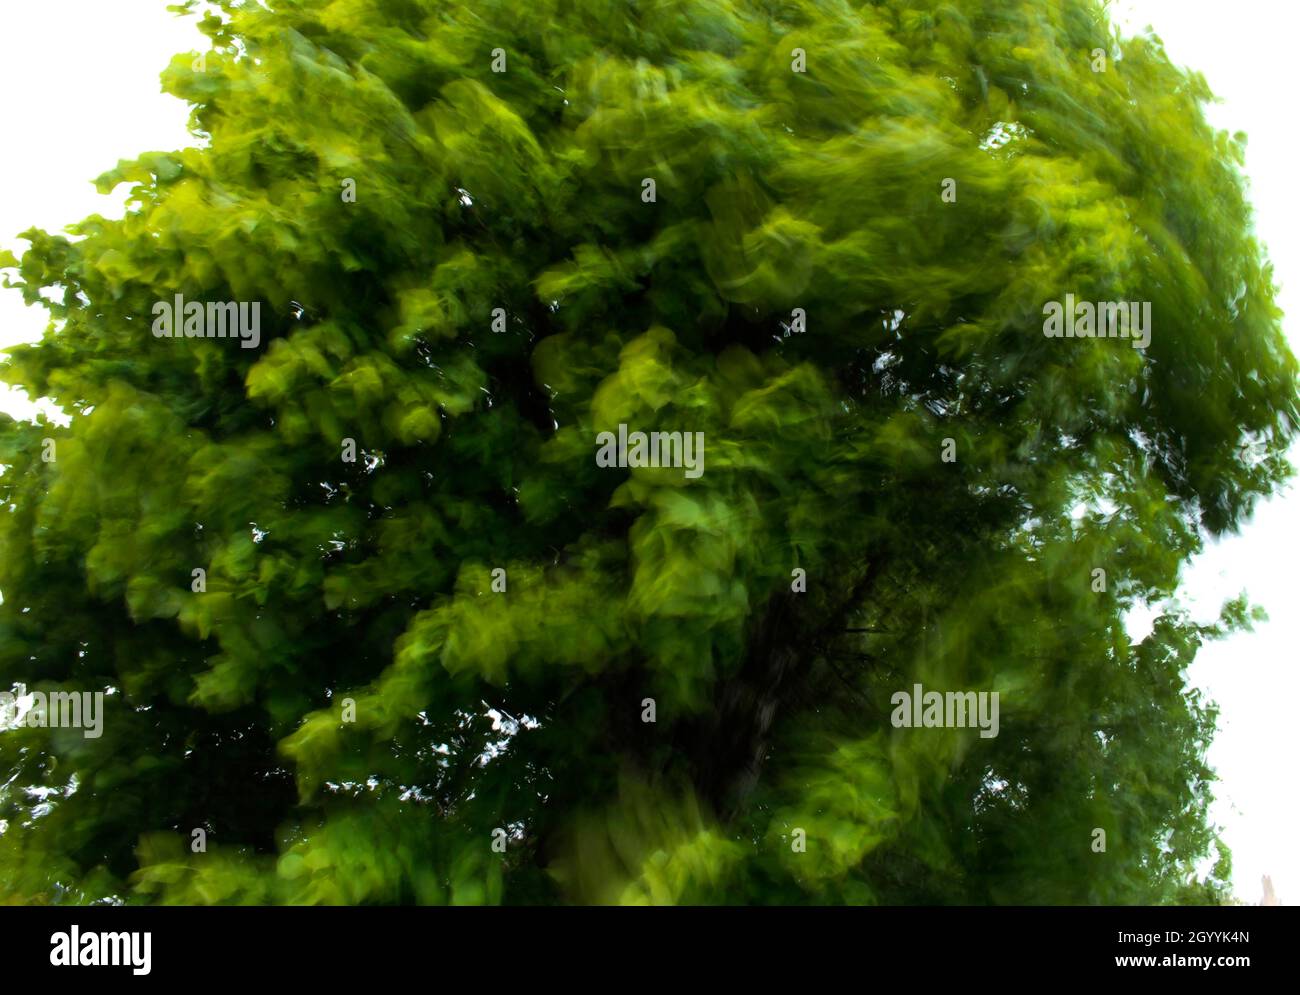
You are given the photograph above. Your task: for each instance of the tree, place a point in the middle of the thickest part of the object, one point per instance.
(472, 665)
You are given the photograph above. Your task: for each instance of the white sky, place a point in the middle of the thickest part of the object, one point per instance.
(1245, 50)
(72, 121)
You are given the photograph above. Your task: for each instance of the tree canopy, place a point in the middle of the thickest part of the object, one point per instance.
(471, 665)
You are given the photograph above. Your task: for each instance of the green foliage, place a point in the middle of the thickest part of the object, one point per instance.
(372, 581)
